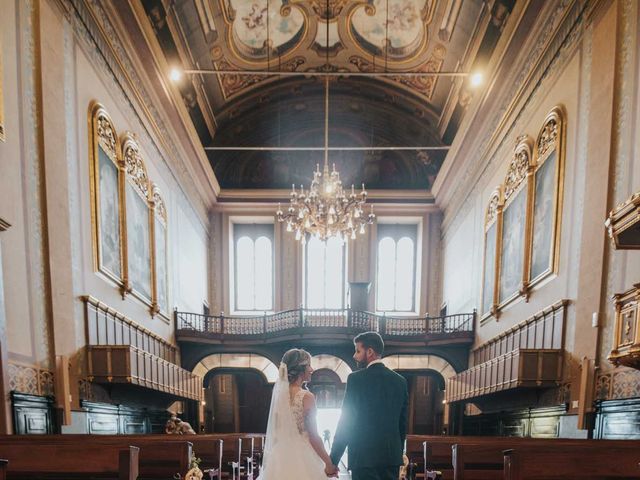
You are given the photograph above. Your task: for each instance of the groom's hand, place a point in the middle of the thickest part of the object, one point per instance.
(331, 470)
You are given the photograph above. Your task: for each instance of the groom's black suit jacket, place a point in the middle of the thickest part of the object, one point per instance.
(373, 423)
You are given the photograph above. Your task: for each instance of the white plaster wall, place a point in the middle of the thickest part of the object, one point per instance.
(22, 203)
(463, 244)
(27, 338)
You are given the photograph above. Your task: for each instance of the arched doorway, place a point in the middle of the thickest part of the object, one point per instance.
(425, 375)
(237, 392)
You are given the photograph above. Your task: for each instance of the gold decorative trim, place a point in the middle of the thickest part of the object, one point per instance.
(492, 209)
(135, 175)
(517, 181)
(518, 168)
(159, 213)
(493, 216)
(624, 219)
(159, 207)
(626, 339)
(102, 135)
(134, 164)
(551, 139)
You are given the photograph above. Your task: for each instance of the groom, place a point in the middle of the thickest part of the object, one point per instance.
(373, 423)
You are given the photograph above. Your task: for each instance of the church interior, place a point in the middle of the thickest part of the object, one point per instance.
(190, 188)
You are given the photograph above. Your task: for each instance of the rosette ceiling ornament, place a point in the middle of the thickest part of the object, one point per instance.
(325, 209)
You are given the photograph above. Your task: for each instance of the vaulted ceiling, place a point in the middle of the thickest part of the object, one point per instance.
(372, 36)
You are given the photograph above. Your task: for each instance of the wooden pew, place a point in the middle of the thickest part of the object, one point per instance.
(572, 462)
(476, 461)
(3, 468)
(159, 457)
(69, 461)
(438, 451)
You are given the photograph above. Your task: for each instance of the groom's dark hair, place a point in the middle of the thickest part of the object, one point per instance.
(371, 340)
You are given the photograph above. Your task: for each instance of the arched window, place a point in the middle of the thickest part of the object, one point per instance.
(325, 273)
(397, 268)
(253, 267)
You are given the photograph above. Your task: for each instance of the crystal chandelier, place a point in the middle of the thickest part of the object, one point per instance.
(325, 210)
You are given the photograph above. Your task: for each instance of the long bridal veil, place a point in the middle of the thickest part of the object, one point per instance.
(287, 454)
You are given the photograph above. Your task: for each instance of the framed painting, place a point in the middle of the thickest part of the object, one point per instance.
(160, 270)
(514, 222)
(106, 199)
(548, 166)
(138, 221)
(490, 268)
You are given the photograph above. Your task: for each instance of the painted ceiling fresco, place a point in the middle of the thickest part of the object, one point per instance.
(326, 35)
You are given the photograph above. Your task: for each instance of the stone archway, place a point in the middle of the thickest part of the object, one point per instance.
(237, 360)
(435, 408)
(333, 363)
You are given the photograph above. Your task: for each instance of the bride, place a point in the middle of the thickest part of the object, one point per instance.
(293, 448)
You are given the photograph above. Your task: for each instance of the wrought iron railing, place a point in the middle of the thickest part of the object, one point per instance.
(303, 319)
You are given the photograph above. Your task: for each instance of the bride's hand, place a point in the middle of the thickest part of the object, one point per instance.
(331, 470)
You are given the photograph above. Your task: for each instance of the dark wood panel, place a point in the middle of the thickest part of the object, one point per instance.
(105, 419)
(32, 414)
(535, 423)
(618, 419)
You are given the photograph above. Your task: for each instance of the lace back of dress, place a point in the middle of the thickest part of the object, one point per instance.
(297, 407)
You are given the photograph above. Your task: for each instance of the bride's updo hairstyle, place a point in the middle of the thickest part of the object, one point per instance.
(296, 361)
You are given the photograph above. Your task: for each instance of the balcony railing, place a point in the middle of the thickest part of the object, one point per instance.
(303, 321)
(127, 364)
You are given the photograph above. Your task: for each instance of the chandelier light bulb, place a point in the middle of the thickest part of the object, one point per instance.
(362, 229)
(175, 74)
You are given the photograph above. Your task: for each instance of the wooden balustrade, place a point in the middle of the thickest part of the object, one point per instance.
(106, 326)
(310, 320)
(128, 364)
(520, 368)
(544, 330)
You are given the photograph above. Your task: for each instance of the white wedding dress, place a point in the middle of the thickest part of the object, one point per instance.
(288, 454)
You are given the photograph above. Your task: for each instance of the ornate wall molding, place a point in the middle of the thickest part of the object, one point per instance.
(101, 43)
(30, 379)
(554, 46)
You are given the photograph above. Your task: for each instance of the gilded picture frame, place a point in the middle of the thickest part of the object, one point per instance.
(545, 208)
(106, 174)
(159, 254)
(492, 231)
(137, 221)
(512, 245)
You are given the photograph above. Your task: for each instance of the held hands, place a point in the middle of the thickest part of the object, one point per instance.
(331, 470)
